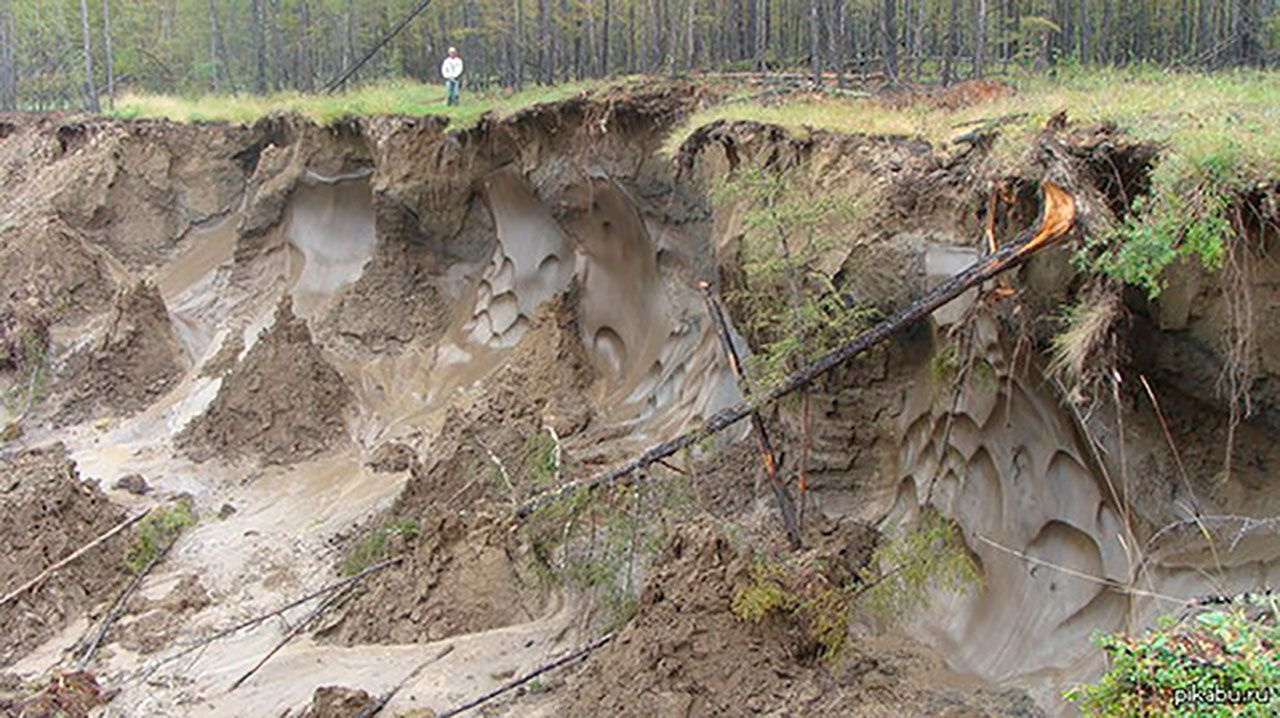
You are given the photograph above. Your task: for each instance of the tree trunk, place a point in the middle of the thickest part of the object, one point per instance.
(111, 60)
(8, 73)
(259, 48)
(1082, 26)
(814, 65)
(604, 39)
(979, 38)
(889, 28)
(90, 86)
(517, 46)
(952, 44)
(1247, 20)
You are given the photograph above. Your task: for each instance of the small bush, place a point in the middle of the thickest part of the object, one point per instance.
(372, 547)
(1184, 218)
(156, 532)
(1214, 663)
(906, 570)
(802, 596)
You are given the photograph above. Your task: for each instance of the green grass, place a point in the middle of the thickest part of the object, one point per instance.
(372, 547)
(1200, 115)
(156, 532)
(392, 97)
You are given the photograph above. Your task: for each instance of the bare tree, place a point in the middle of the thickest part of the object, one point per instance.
(889, 28)
(952, 43)
(259, 47)
(8, 68)
(90, 86)
(111, 60)
(979, 38)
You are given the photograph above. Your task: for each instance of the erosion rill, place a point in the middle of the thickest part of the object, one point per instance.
(453, 406)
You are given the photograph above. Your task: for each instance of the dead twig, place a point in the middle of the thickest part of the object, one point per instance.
(378, 705)
(1110, 583)
(1057, 219)
(786, 508)
(292, 604)
(74, 555)
(299, 627)
(517, 682)
(118, 607)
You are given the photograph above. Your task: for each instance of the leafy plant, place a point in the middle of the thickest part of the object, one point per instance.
(909, 567)
(802, 595)
(372, 547)
(156, 533)
(1184, 218)
(1213, 663)
(794, 310)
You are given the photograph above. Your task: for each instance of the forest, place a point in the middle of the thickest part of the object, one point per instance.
(58, 54)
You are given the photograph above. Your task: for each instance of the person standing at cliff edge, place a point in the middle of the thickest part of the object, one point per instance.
(451, 69)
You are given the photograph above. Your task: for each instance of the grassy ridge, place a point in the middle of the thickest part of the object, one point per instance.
(1196, 114)
(395, 97)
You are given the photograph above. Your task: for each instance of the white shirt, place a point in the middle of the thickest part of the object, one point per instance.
(451, 68)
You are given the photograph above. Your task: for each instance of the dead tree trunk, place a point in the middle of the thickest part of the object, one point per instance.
(111, 63)
(786, 508)
(90, 86)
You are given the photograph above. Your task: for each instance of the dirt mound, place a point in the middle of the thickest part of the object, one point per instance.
(459, 577)
(395, 300)
(66, 695)
(135, 362)
(466, 572)
(955, 97)
(44, 261)
(282, 403)
(686, 653)
(338, 702)
(24, 335)
(46, 513)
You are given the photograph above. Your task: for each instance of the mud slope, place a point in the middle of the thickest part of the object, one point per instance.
(47, 511)
(378, 338)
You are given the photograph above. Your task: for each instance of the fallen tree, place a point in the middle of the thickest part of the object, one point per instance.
(1056, 220)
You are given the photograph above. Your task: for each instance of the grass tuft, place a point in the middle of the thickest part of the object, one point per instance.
(372, 547)
(157, 532)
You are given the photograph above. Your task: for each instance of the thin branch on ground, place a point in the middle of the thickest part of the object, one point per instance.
(279, 611)
(385, 699)
(118, 607)
(1100, 580)
(298, 628)
(74, 555)
(517, 682)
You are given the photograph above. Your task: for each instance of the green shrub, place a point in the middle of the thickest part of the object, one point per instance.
(801, 596)
(792, 310)
(372, 547)
(906, 570)
(156, 532)
(1185, 217)
(1213, 663)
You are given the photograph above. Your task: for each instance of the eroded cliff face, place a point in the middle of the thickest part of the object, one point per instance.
(1068, 498)
(328, 328)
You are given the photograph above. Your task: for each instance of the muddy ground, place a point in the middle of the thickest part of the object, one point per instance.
(378, 340)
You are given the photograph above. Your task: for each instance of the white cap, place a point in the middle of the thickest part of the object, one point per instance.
(453, 49)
